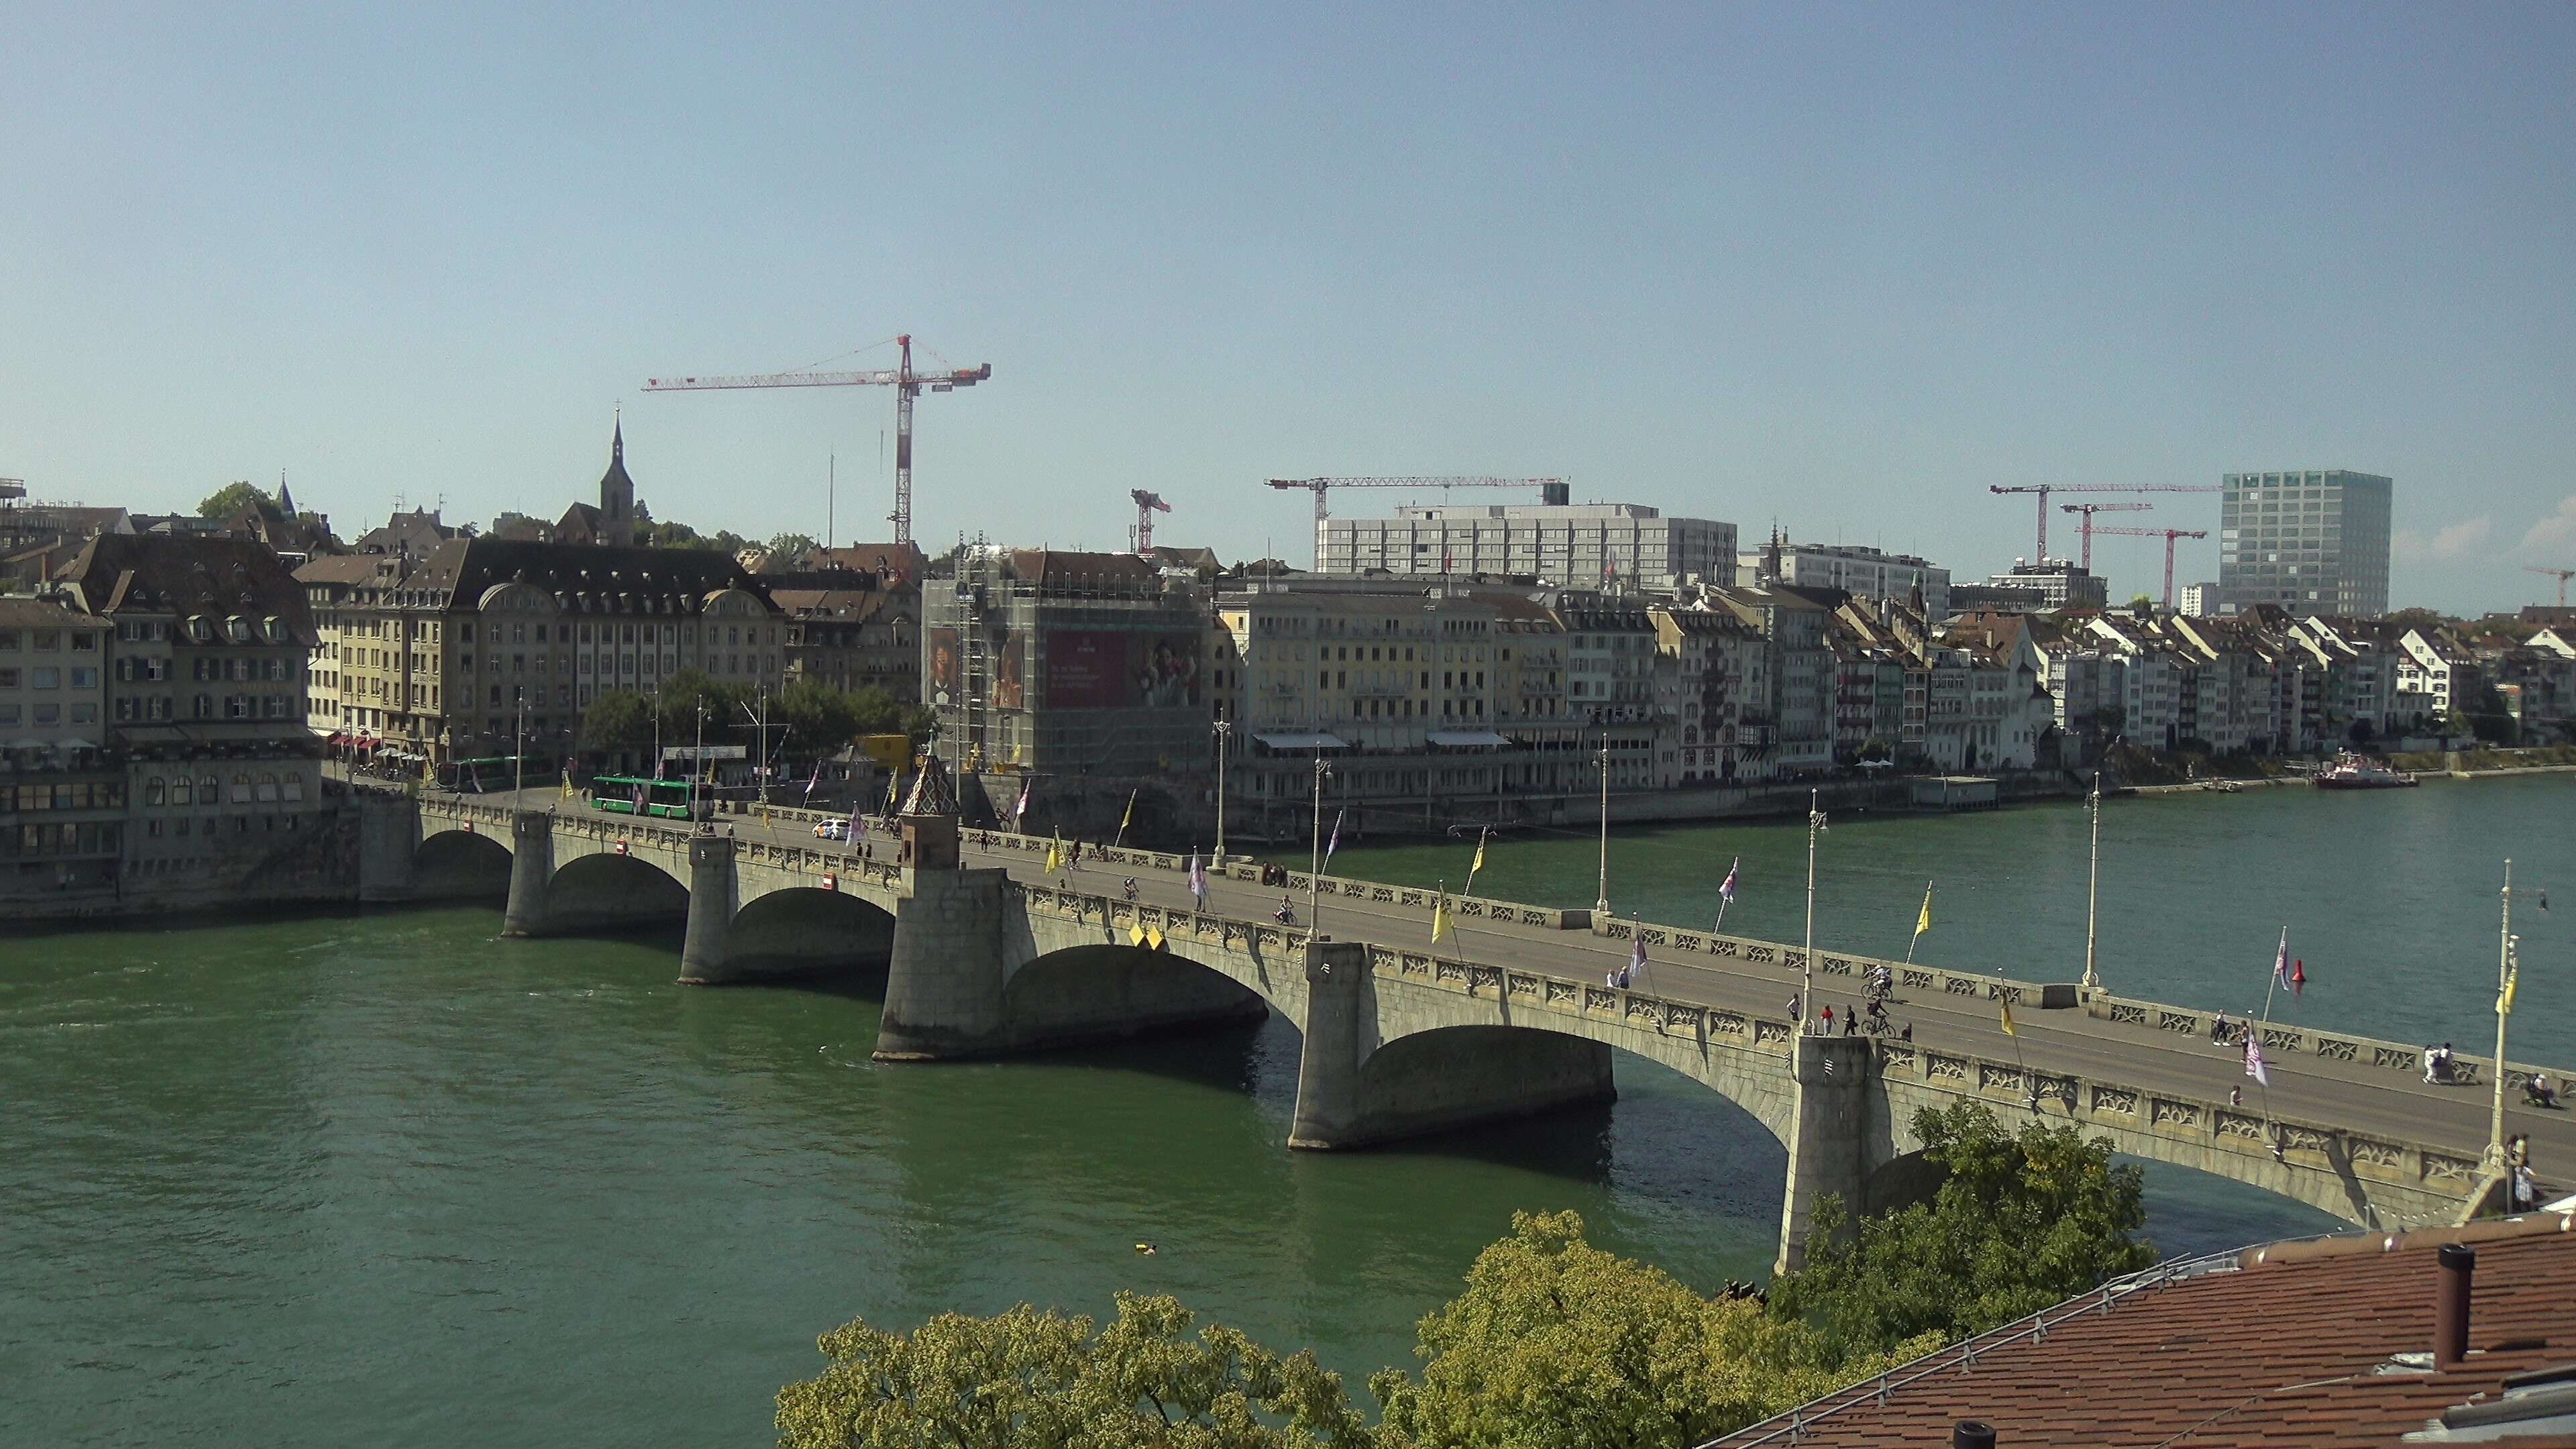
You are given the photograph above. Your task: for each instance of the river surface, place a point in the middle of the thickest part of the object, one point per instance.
(385, 1177)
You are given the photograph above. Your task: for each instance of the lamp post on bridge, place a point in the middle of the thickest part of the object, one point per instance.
(1315, 871)
(1224, 739)
(2093, 887)
(1807, 961)
(1601, 903)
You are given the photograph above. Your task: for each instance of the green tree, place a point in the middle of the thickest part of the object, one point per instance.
(232, 498)
(2020, 1222)
(668, 535)
(1556, 1344)
(685, 693)
(791, 545)
(1032, 1379)
(617, 719)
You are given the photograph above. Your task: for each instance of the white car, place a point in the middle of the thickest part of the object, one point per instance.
(832, 829)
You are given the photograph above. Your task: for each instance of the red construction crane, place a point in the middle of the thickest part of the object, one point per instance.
(2562, 575)
(1550, 490)
(907, 385)
(2088, 510)
(2168, 535)
(2044, 489)
(1147, 505)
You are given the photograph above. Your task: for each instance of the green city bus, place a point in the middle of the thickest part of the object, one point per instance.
(632, 795)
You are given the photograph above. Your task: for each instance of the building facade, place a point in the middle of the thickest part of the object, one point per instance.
(1578, 545)
(1852, 568)
(2312, 542)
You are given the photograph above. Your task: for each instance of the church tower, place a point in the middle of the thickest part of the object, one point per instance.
(617, 493)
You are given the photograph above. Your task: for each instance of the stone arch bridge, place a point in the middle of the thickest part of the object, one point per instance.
(1399, 1038)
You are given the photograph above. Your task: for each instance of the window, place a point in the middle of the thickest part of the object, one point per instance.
(44, 678)
(48, 640)
(85, 713)
(8, 679)
(157, 790)
(294, 785)
(85, 677)
(49, 714)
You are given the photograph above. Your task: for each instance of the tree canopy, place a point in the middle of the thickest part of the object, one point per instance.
(1556, 1344)
(1037, 1379)
(232, 498)
(791, 545)
(2020, 1222)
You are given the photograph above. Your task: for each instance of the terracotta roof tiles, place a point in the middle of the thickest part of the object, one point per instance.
(2292, 1344)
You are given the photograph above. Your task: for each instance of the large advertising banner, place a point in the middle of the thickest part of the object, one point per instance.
(1103, 669)
(947, 671)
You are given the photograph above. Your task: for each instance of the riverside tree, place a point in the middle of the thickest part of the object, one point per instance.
(1556, 1344)
(1037, 1379)
(2018, 1223)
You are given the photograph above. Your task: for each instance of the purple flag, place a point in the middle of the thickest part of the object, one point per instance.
(1334, 842)
(2254, 1057)
(1198, 878)
(2281, 962)
(1726, 887)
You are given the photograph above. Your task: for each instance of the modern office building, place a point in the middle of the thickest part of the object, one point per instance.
(1580, 545)
(1854, 569)
(2306, 542)
(2055, 584)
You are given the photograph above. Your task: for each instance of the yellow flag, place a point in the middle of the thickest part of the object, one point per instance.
(1055, 856)
(1439, 918)
(2512, 978)
(1154, 938)
(1135, 935)
(1923, 922)
(1478, 863)
(1128, 816)
(2009, 1028)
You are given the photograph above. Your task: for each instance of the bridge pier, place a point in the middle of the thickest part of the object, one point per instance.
(1828, 1135)
(713, 891)
(1357, 1089)
(944, 984)
(388, 839)
(532, 869)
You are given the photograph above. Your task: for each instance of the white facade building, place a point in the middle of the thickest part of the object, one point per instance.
(1580, 545)
(1854, 569)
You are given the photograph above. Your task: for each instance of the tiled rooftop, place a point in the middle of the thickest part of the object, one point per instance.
(2293, 1344)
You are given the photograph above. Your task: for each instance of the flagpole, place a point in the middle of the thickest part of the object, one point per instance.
(1315, 876)
(2504, 976)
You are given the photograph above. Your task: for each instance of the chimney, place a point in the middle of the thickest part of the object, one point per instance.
(1972, 1434)
(2458, 1267)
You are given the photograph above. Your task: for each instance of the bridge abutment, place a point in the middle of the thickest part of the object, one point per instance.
(713, 890)
(1828, 1136)
(532, 869)
(944, 984)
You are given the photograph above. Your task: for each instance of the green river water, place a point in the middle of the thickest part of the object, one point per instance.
(385, 1177)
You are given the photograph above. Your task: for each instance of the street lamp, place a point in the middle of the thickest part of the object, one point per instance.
(1601, 902)
(2093, 886)
(1807, 962)
(1315, 873)
(1224, 744)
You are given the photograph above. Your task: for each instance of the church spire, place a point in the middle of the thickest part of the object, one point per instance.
(617, 436)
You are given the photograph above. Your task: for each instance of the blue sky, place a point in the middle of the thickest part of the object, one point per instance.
(1841, 267)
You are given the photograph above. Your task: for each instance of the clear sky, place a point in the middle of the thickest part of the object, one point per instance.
(1838, 267)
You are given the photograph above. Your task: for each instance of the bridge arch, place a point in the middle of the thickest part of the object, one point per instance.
(804, 929)
(1448, 1076)
(460, 865)
(606, 893)
(1108, 990)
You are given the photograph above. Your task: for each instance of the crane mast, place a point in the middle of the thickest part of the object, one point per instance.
(906, 382)
(2168, 535)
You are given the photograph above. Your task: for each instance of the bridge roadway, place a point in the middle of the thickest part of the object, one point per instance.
(985, 968)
